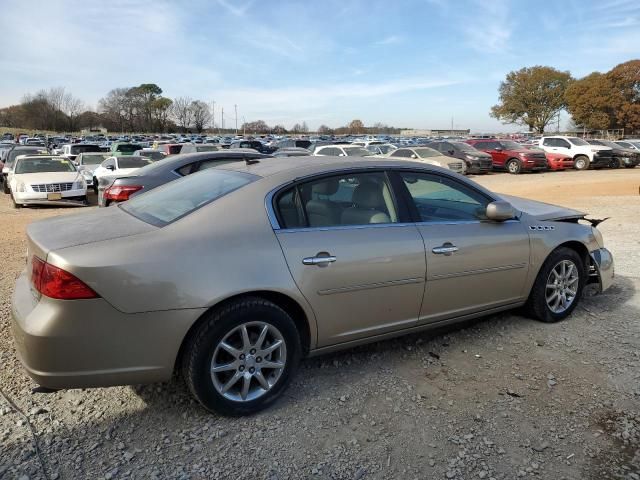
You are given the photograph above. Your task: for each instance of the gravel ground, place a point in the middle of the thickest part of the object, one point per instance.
(503, 397)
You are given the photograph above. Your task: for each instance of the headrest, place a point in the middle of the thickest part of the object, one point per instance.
(368, 195)
(327, 187)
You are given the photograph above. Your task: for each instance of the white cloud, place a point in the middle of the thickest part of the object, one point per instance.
(390, 40)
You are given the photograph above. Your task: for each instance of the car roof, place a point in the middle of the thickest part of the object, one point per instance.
(309, 165)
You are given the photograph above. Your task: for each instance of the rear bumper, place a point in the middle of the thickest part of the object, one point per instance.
(88, 343)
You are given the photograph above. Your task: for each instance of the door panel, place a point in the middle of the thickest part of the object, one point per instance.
(487, 270)
(374, 286)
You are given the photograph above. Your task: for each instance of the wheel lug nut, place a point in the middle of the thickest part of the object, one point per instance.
(251, 370)
(242, 356)
(259, 359)
(241, 368)
(253, 350)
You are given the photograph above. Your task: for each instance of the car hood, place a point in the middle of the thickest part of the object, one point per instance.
(599, 147)
(543, 211)
(48, 177)
(87, 227)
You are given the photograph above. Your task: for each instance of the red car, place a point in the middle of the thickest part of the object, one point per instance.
(511, 156)
(559, 161)
(555, 160)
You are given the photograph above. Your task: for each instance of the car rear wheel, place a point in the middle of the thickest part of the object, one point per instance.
(514, 166)
(242, 357)
(581, 162)
(558, 287)
(5, 187)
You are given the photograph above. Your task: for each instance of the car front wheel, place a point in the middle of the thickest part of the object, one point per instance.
(558, 286)
(242, 357)
(581, 162)
(514, 166)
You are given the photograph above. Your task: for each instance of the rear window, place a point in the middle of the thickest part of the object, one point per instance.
(76, 149)
(179, 198)
(133, 162)
(128, 148)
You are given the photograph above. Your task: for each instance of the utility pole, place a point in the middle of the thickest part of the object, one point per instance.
(223, 119)
(213, 114)
(235, 106)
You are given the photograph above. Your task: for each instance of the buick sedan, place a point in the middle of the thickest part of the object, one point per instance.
(232, 275)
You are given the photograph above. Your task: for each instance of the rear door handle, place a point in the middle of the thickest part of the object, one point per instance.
(446, 249)
(321, 261)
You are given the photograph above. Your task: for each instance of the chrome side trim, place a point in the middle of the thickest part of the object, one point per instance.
(368, 286)
(478, 272)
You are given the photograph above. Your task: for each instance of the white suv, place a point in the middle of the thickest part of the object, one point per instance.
(584, 154)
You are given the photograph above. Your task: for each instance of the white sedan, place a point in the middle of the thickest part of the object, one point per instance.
(121, 165)
(46, 180)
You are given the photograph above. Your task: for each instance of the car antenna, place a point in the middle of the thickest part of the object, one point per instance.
(251, 161)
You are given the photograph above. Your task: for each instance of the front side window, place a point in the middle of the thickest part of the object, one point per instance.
(349, 199)
(440, 199)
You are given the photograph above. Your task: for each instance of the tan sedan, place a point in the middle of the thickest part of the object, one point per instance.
(232, 275)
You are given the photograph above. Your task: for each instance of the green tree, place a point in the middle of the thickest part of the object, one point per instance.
(532, 96)
(590, 101)
(625, 81)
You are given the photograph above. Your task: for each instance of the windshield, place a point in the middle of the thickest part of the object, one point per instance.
(426, 152)
(153, 155)
(607, 143)
(465, 147)
(625, 144)
(357, 152)
(93, 159)
(133, 162)
(509, 145)
(181, 197)
(578, 141)
(43, 164)
(127, 148)
(76, 149)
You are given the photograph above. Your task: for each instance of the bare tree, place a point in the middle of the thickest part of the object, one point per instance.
(181, 112)
(72, 107)
(200, 113)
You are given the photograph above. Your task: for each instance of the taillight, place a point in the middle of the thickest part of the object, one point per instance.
(56, 283)
(120, 193)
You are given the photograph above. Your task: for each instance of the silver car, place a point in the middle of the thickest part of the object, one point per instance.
(233, 274)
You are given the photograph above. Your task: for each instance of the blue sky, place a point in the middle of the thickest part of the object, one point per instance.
(405, 63)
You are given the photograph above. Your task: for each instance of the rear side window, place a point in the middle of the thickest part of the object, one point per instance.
(177, 199)
(350, 199)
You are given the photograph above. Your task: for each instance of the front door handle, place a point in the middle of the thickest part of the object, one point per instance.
(446, 249)
(320, 261)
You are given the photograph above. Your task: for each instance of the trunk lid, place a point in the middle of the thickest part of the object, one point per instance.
(66, 231)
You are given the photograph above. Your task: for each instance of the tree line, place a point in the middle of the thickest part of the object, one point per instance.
(142, 108)
(535, 96)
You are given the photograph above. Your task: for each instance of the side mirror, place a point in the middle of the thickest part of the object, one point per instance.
(414, 156)
(499, 211)
(110, 167)
(498, 149)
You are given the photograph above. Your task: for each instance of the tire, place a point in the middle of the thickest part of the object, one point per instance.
(581, 162)
(616, 163)
(542, 299)
(514, 166)
(225, 325)
(95, 185)
(5, 187)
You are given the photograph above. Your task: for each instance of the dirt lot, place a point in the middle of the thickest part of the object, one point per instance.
(503, 398)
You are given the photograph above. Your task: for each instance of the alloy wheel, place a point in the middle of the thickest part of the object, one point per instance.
(248, 361)
(562, 286)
